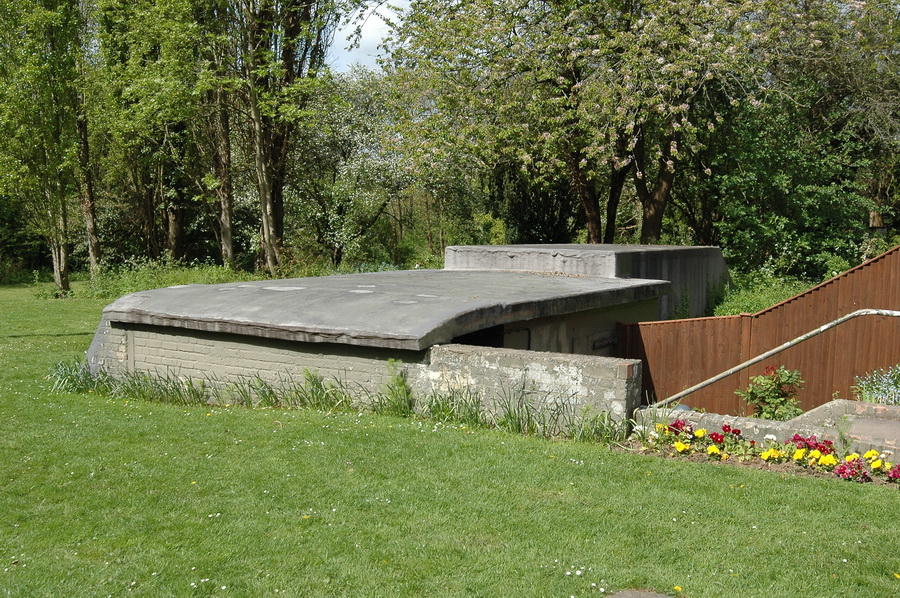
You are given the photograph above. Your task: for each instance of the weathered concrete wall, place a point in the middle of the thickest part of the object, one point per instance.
(695, 272)
(591, 332)
(604, 384)
(598, 383)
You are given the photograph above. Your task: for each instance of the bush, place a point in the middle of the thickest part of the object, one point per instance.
(774, 393)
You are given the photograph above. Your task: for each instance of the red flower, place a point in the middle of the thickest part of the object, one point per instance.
(716, 437)
(736, 432)
(769, 370)
(726, 428)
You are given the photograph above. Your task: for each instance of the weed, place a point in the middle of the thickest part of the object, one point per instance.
(397, 398)
(601, 427)
(457, 405)
(75, 376)
(515, 413)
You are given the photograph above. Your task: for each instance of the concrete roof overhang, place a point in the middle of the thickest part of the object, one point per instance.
(407, 309)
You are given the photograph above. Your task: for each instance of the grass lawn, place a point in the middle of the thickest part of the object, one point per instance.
(104, 497)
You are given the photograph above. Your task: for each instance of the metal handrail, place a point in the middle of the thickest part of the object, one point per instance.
(771, 352)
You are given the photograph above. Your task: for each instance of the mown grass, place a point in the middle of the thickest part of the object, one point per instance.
(103, 497)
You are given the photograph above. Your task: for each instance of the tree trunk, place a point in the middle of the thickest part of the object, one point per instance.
(617, 178)
(586, 193)
(60, 254)
(175, 231)
(58, 238)
(268, 244)
(653, 202)
(222, 166)
(87, 197)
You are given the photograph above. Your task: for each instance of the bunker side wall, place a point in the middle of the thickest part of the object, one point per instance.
(598, 383)
(697, 274)
(231, 357)
(591, 332)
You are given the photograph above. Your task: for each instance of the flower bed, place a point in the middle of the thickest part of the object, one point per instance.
(799, 454)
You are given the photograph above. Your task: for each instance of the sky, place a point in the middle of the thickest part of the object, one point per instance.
(373, 32)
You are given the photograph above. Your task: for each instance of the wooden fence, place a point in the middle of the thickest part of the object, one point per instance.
(680, 353)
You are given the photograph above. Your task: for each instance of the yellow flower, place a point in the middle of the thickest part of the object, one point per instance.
(827, 461)
(799, 454)
(681, 447)
(871, 455)
(876, 464)
(772, 453)
(815, 454)
(677, 588)
(700, 433)
(852, 457)
(660, 427)
(713, 450)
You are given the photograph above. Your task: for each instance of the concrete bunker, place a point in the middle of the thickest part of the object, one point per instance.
(540, 317)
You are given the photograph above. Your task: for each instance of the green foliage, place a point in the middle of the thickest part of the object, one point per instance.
(881, 386)
(455, 406)
(397, 399)
(773, 394)
(350, 172)
(142, 274)
(562, 95)
(754, 292)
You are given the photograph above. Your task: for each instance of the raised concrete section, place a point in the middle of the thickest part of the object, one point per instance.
(695, 273)
(849, 424)
(412, 309)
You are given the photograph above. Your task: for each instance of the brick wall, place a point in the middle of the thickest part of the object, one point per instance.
(601, 383)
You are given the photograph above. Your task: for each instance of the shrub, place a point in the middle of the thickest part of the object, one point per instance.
(774, 393)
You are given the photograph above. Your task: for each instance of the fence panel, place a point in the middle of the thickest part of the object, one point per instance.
(680, 353)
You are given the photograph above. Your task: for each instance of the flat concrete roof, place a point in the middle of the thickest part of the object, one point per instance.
(407, 309)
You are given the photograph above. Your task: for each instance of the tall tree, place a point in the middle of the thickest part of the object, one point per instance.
(38, 114)
(346, 170)
(283, 47)
(578, 90)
